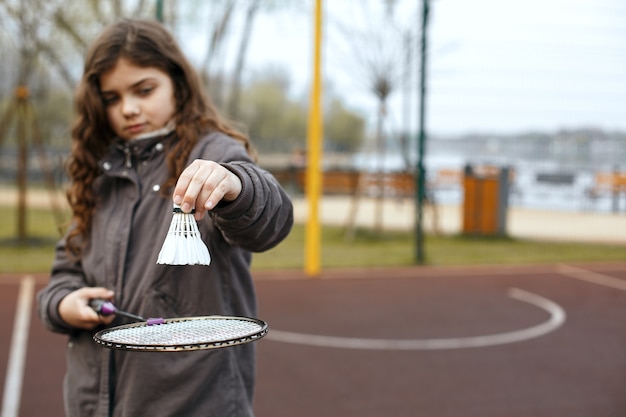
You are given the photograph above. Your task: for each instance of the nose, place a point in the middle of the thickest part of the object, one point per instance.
(130, 107)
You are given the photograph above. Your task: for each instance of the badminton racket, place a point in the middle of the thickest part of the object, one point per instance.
(176, 334)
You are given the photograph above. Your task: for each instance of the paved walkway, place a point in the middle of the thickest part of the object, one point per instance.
(399, 214)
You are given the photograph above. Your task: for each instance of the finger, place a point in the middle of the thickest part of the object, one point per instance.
(74, 307)
(228, 188)
(213, 190)
(199, 214)
(89, 293)
(181, 190)
(105, 319)
(198, 183)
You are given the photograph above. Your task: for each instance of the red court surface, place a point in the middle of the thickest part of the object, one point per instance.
(433, 342)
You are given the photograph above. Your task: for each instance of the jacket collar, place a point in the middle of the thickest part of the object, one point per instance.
(125, 154)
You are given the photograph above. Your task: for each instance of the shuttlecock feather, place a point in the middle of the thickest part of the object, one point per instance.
(183, 244)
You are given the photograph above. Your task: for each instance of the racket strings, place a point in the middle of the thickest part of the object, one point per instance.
(199, 333)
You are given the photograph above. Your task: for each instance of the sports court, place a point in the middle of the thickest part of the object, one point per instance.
(480, 341)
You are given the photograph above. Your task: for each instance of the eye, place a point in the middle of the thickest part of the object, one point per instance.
(109, 100)
(144, 91)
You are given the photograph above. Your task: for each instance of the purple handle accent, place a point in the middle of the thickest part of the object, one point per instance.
(107, 308)
(155, 321)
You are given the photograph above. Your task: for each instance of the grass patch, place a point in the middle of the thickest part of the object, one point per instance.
(398, 249)
(367, 249)
(35, 251)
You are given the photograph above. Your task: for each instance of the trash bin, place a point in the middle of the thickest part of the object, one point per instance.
(485, 200)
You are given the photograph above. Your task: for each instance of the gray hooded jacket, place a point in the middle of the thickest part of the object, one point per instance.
(128, 230)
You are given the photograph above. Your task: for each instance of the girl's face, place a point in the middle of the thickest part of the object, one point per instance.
(138, 100)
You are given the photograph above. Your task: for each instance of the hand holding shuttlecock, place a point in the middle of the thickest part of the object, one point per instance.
(183, 244)
(202, 184)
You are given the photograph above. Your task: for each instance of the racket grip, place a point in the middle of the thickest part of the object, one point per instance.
(107, 308)
(103, 307)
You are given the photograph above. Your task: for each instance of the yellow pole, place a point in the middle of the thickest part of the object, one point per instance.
(314, 154)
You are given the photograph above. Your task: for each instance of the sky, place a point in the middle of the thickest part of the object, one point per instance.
(494, 66)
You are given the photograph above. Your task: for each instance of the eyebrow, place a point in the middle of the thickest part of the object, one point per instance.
(134, 85)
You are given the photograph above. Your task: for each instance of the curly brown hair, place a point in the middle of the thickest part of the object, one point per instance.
(144, 43)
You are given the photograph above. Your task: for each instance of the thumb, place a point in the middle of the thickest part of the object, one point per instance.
(97, 292)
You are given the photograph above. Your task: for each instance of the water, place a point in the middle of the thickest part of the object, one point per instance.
(538, 185)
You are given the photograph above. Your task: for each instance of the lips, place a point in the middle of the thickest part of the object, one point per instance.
(134, 129)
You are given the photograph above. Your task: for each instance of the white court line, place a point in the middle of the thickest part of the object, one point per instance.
(17, 354)
(557, 318)
(593, 277)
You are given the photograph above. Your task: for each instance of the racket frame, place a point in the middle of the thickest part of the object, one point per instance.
(100, 336)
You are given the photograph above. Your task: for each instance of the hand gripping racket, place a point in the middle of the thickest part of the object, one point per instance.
(176, 334)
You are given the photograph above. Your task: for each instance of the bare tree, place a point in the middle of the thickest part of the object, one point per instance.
(42, 31)
(233, 105)
(380, 56)
(221, 20)
(58, 35)
(20, 112)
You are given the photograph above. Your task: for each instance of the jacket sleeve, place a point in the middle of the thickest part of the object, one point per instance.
(262, 215)
(66, 276)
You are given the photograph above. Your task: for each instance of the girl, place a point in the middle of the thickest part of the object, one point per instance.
(145, 137)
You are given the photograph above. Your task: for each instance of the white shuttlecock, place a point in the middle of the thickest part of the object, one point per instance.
(183, 244)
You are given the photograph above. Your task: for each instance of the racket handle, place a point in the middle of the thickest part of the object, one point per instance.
(103, 307)
(107, 308)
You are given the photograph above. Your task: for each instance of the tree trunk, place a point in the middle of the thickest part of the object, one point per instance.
(233, 108)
